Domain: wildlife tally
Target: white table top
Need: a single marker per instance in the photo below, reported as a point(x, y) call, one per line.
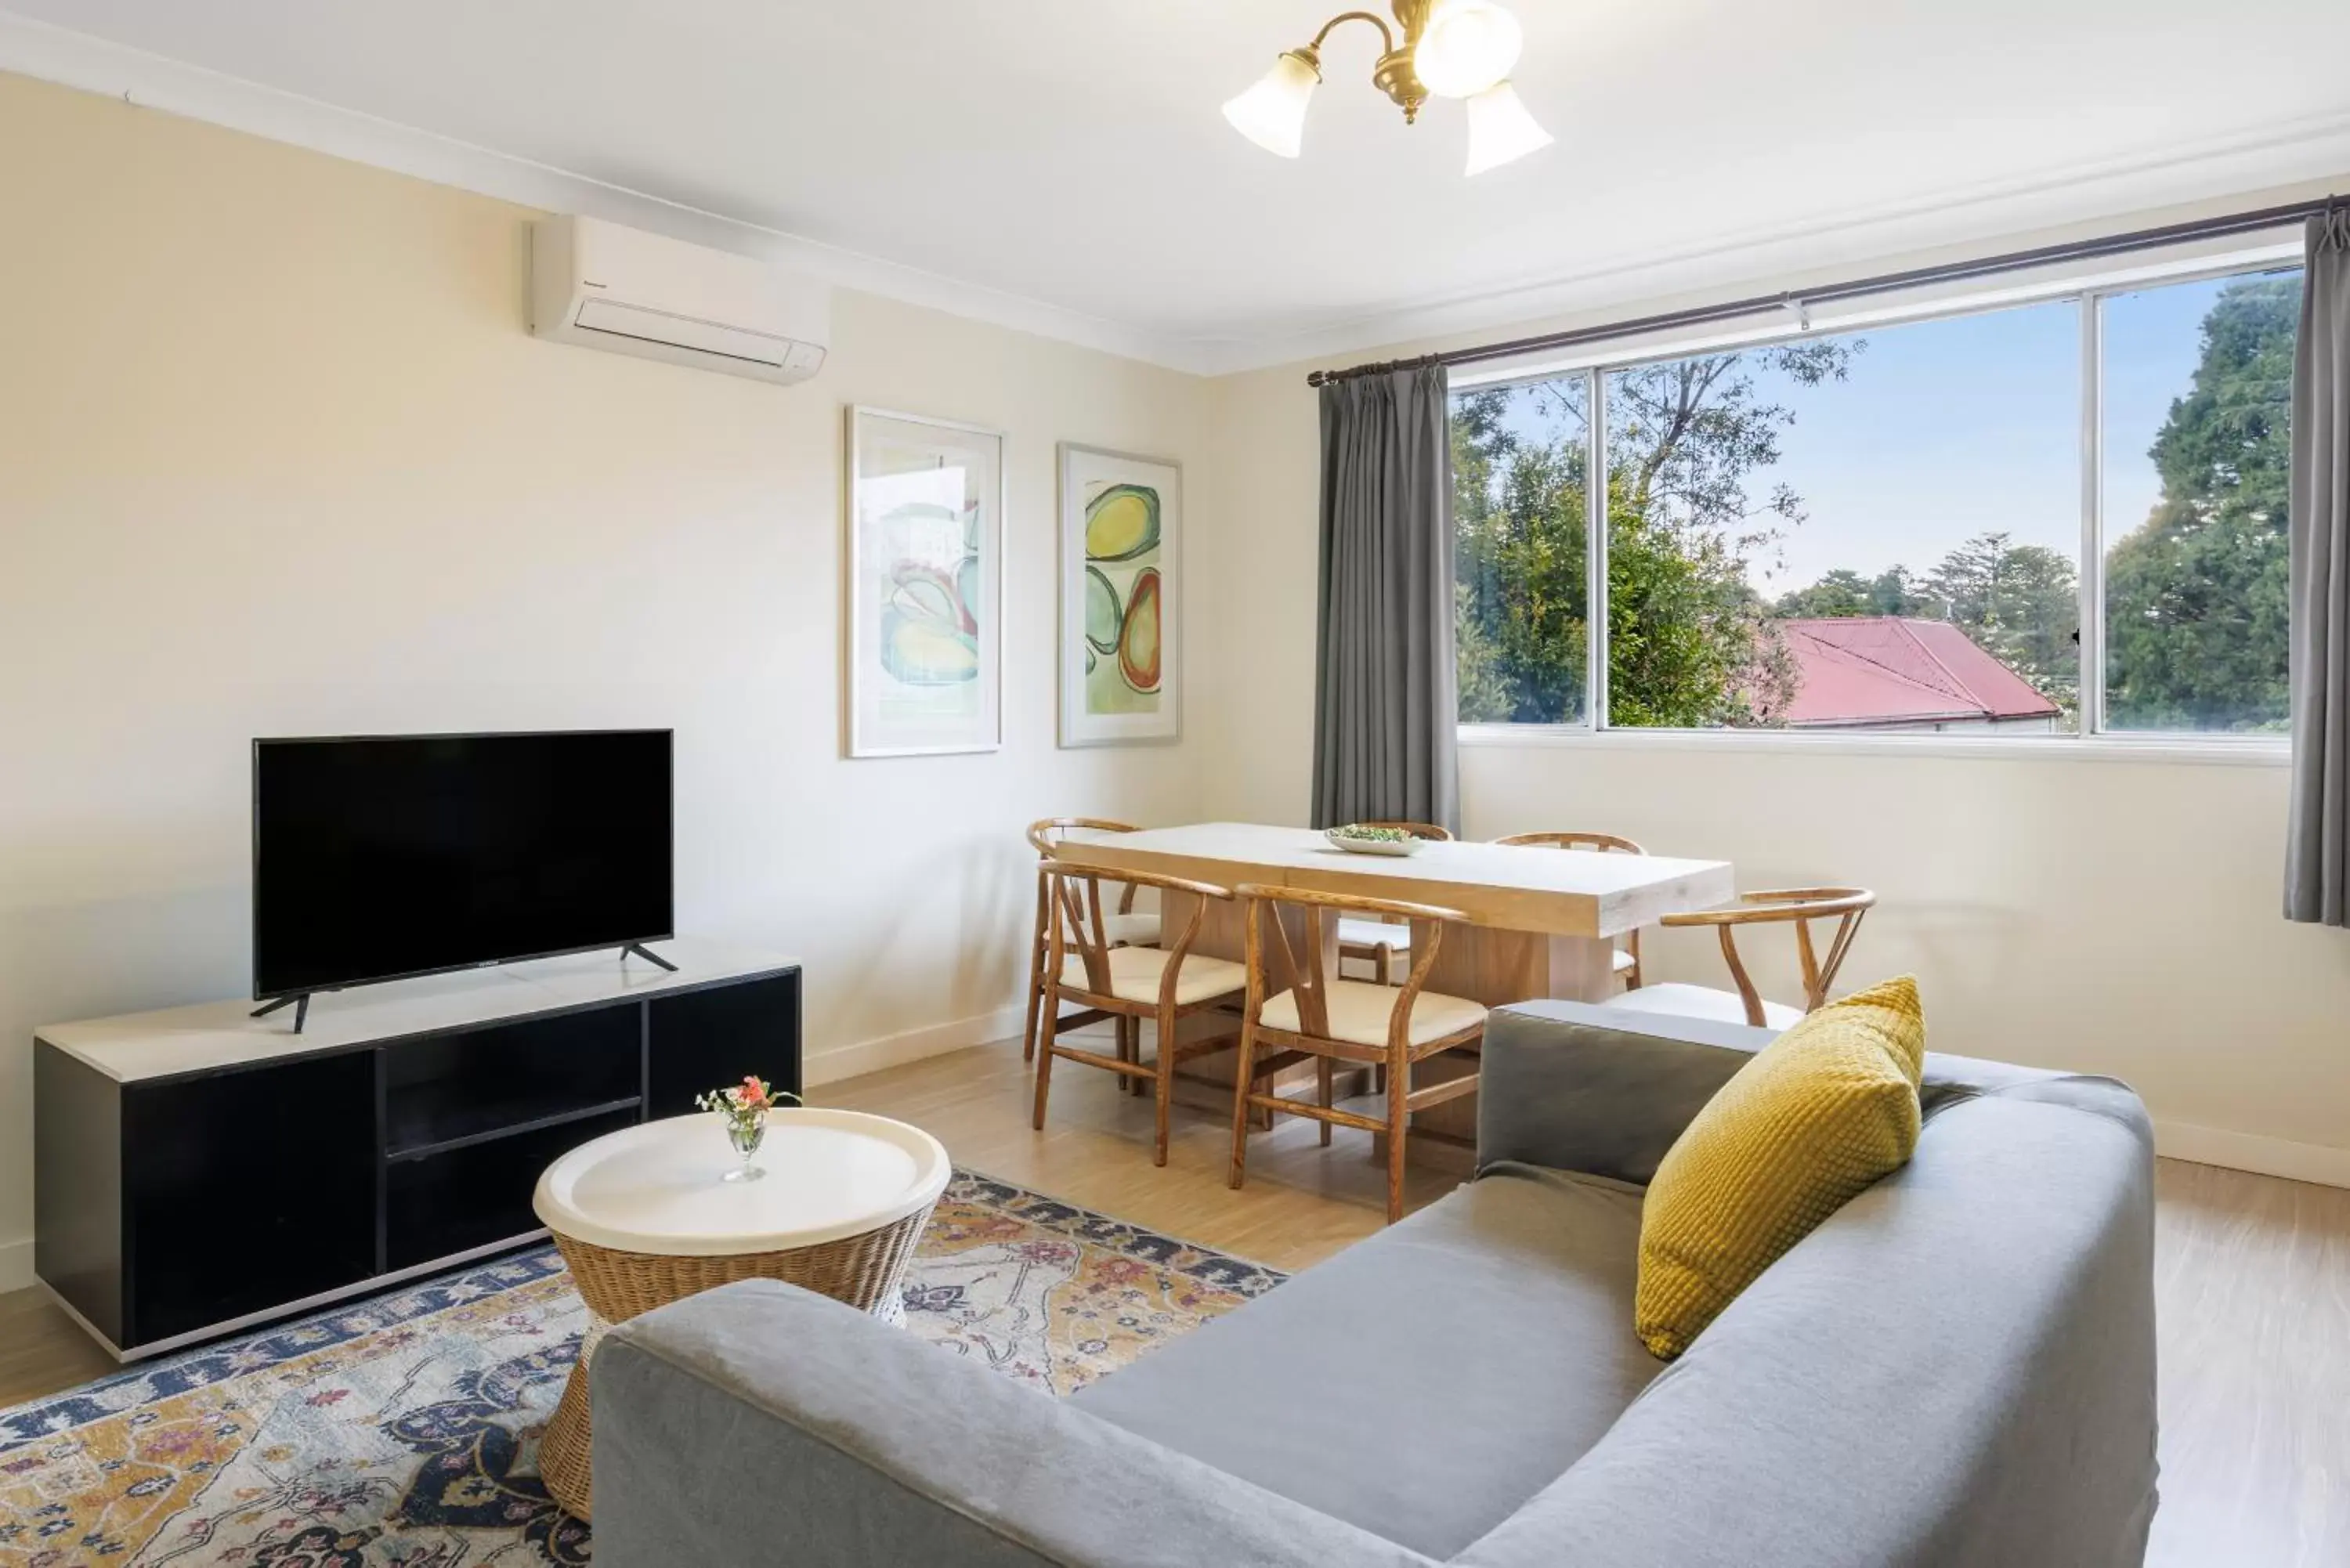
point(658, 1187)
point(1509, 887)
point(210, 1034)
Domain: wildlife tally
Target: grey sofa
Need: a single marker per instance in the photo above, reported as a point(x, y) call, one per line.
point(1957, 1368)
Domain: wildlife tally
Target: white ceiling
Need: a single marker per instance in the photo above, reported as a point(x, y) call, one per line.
point(1061, 162)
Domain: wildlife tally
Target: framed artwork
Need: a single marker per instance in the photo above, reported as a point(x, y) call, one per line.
point(1121, 529)
point(924, 586)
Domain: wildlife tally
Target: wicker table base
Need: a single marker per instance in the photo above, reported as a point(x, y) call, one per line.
point(864, 1271)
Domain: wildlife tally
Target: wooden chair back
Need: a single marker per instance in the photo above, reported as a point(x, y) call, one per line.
point(1046, 831)
point(1076, 921)
point(1427, 830)
point(1275, 963)
point(1781, 906)
point(1601, 843)
point(1044, 834)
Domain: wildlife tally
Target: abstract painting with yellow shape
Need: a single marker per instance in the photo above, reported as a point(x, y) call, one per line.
point(1120, 515)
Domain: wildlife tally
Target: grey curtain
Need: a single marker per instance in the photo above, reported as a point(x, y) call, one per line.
point(1385, 701)
point(2317, 842)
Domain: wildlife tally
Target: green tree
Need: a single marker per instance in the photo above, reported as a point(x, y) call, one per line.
point(1480, 446)
point(1689, 643)
point(1844, 592)
point(1484, 690)
point(2021, 602)
point(2197, 595)
point(1519, 544)
point(1891, 592)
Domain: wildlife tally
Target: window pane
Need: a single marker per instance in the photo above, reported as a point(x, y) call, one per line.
point(1519, 455)
point(1875, 532)
point(2197, 386)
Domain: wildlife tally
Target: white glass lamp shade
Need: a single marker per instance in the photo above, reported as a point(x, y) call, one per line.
point(1273, 113)
point(1466, 46)
point(1500, 130)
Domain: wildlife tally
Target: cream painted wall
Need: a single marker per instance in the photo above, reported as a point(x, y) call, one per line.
point(2114, 916)
point(278, 455)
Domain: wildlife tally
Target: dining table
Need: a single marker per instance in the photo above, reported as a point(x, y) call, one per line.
point(1534, 921)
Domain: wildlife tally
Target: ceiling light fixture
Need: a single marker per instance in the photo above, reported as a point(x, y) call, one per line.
point(1451, 48)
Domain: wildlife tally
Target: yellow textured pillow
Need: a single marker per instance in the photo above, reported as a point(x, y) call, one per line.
point(1819, 1113)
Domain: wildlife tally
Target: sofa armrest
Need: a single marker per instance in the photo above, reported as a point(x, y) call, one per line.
point(1575, 1086)
point(759, 1423)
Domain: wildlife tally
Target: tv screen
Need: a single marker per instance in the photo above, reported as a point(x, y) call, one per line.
point(382, 857)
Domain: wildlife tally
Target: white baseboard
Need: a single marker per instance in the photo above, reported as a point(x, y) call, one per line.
point(17, 1264)
point(911, 1045)
point(2320, 1163)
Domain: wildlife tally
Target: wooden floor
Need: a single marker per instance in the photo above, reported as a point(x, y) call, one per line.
point(2253, 1281)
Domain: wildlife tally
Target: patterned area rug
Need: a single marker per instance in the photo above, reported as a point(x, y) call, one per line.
point(402, 1432)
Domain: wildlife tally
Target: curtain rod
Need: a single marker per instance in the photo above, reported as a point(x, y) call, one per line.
point(1948, 272)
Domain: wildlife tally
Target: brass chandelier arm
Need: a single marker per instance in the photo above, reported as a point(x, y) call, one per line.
point(1387, 34)
point(1393, 75)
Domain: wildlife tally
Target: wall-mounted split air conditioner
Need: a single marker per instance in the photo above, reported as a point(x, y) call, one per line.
point(601, 285)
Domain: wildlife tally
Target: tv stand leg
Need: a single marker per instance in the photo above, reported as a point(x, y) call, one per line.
point(301, 1004)
point(648, 955)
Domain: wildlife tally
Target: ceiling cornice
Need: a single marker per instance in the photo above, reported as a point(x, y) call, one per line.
point(2212, 169)
point(1991, 216)
point(152, 81)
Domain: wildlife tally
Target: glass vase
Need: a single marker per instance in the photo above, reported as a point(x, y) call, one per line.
point(745, 1133)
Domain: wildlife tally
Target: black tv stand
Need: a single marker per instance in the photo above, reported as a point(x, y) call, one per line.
point(195, 1172)
point(300, 1001)
point(643, 952)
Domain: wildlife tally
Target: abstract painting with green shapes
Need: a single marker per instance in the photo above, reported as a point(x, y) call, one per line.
point(925, 534)
point(1123, 598)
point(929, 622)
point(1121, 534)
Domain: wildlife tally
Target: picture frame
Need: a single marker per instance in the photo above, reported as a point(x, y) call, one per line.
point(1119, 653)
point(922, 586)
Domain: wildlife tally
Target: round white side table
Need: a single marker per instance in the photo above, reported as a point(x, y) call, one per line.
point(645, 1217)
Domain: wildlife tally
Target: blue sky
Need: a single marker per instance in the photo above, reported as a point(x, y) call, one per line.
point(1941, 431)
point(1944, 430)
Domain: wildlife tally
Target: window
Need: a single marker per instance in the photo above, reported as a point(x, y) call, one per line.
point(1882, 531)
point(1522, 555)
point(2197, 384)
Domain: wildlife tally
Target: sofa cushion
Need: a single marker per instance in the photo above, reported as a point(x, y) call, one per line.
point(1812, 1118)
point(1425, 1383)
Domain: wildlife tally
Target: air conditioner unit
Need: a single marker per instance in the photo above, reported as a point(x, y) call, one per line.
point(604, 286)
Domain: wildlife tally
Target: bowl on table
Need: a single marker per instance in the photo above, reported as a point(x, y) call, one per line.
point(1356, 839)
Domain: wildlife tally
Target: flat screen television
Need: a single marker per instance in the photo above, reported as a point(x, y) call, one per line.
point(383, 856)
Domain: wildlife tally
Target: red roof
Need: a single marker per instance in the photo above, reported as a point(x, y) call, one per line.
point(1885, 670)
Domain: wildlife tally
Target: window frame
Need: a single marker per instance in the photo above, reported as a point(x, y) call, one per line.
point(2087, 286)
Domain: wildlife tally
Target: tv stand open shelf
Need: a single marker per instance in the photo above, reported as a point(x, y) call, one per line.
point(395, 1153)
point(198, 1170)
